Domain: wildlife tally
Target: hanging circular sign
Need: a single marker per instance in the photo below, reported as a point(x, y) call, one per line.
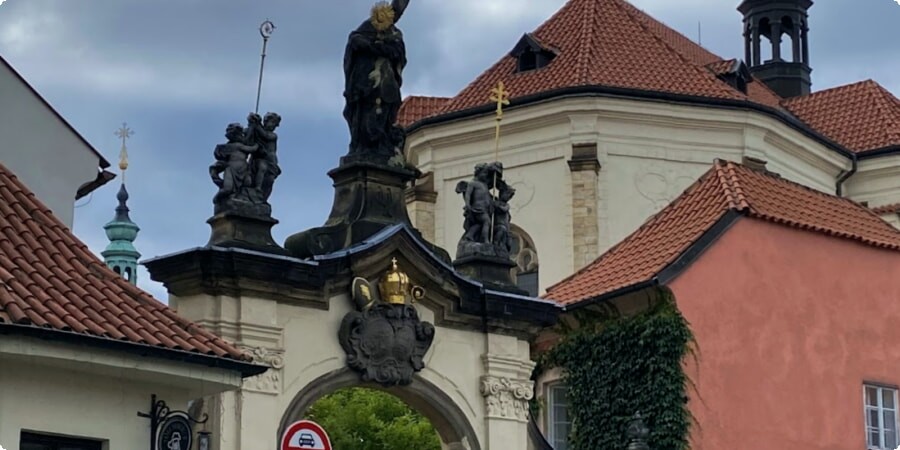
point(175, 433)
point(305, 435)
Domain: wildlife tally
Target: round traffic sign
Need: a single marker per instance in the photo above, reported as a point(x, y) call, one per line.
point(305, 435)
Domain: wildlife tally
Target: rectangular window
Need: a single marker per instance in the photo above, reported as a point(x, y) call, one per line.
point(33, 441)
point(881, 417)
point(558, 423)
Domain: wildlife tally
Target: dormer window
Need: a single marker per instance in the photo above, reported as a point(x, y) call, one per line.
point(530, 54)
point(738, 76)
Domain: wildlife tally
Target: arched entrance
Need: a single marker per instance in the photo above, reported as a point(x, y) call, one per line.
point(450, 422)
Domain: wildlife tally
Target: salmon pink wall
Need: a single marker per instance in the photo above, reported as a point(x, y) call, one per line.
point(789, 324)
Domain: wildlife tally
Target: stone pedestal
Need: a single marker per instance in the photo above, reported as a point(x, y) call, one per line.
point(243, 231)
point(367, 198)
point(493, 271)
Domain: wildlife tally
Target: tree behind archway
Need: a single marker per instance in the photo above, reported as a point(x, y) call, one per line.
point(367, 419)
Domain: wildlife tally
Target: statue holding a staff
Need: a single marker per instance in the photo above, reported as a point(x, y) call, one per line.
point(373, 69)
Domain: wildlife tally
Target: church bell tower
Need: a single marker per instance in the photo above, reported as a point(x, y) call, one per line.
point(781, 60)
point(120, 255)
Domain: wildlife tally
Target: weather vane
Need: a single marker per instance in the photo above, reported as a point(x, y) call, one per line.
point(124, 134)
point(265, 30)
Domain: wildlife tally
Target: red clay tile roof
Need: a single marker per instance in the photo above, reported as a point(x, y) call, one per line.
point(893, 208)
point(726, 187)
point(416, 108)
point(861, 116)
point(610, 43)
point(50, 280)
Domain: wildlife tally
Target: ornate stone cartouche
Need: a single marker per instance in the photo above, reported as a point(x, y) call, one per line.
point(384, 339)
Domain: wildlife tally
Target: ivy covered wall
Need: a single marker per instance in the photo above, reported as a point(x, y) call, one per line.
point(615, 367)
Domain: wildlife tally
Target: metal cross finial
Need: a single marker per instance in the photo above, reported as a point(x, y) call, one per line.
point(124, 134)
point(500, 96)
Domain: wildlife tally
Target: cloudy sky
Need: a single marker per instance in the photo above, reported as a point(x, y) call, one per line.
point(179, 70)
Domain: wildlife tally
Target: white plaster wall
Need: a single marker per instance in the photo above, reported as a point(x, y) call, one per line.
point(40, 149)
point(877, 181)
point(79, 392)
point(650, 152)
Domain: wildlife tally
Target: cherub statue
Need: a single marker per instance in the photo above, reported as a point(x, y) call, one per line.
point(478, 205)
point(502, 235)
point(231, 171)
point(264, 162)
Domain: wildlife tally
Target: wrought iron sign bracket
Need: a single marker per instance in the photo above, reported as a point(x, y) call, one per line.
point(170, 430)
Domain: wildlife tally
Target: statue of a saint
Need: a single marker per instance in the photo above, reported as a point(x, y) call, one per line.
point(231, 172)
point(264, 162)
point(373, 69)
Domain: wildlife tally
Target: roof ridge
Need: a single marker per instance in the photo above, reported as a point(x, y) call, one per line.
point(730, 185)
point(696, 66)
point(884, 105)
point(649, 18)
point(587, 47)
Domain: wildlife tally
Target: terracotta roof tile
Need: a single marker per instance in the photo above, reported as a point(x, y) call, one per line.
point(893, 208)
point(860, 116)
point(49, 279)
point(607, 43)
point(416, 108)
point(726, 187)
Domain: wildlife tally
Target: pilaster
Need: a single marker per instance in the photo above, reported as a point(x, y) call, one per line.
point(585, 169)
point(420, 201)
point(507, 390)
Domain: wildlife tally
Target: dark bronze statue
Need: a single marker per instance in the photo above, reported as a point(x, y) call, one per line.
point(246, 166)
point(373, 69)
point(487, 217)
point(264, 162)
point(231, 172)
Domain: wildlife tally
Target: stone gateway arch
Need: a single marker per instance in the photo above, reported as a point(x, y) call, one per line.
point(363, 300)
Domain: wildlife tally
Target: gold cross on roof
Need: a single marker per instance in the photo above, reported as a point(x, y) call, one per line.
point(500, 96)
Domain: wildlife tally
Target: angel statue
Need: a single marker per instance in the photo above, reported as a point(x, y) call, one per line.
point(373, 69)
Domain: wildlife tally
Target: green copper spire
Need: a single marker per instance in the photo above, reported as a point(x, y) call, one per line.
point(120, 255)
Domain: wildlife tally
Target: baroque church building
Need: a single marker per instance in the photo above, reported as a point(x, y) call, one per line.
point(613, 114)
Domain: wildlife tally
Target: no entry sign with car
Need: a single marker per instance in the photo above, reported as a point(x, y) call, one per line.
point(305, 435)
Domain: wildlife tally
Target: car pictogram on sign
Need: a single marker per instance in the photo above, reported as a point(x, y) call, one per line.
point(306, 440)
point(305, 435)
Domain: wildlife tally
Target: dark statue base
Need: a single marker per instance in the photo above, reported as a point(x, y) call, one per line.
point(244, 231)
point(367, 198)
point(493, 271)
point(244, 208)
